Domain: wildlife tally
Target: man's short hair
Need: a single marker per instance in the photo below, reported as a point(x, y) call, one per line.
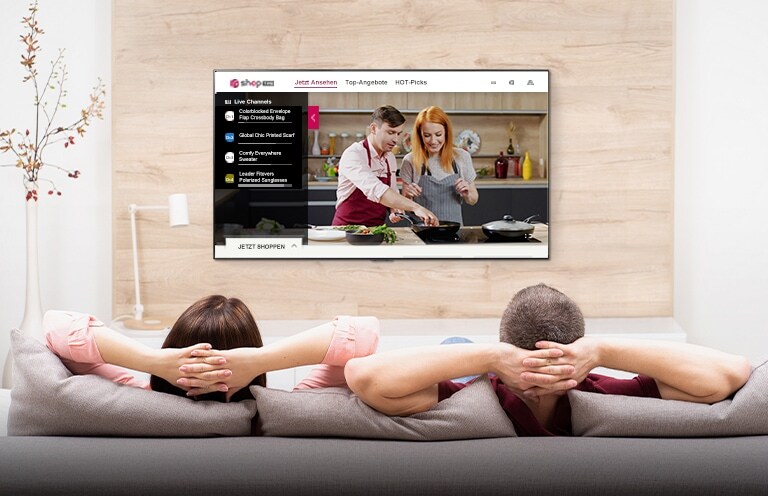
point(388, 114)
point(541, 313)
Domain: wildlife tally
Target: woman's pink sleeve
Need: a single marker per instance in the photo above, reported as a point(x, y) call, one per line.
point(352, 337)
point(71, 337)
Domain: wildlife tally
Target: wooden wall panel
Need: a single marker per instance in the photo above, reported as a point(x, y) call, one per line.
point(611, 136)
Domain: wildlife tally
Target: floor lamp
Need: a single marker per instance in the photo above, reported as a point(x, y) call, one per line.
point(178, 216)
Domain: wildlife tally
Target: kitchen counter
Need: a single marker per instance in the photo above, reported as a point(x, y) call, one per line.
point(470, 235)
point(480, 182)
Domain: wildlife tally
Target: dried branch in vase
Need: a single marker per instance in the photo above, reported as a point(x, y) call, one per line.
point(29, 147)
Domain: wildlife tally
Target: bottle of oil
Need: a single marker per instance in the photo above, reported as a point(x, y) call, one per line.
point(527, 167)
point(510, 148)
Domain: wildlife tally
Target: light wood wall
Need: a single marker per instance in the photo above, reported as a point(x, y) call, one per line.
point(611, 156)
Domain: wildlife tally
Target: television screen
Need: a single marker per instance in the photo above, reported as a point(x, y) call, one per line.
point(332, 164)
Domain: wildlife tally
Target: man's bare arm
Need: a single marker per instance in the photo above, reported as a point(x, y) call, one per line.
point(404, 382)
point(682, 371)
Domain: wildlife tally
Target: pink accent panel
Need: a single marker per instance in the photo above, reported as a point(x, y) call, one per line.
point(313, 117)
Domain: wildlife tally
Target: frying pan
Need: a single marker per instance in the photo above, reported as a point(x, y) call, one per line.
point(443, 230)
point(508, 228)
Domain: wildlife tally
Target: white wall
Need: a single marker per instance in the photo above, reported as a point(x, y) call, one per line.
point(75, 233)
point(721, 174)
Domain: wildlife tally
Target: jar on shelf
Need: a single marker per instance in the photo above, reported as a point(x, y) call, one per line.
point(359, 137)
point(324, 149)
point(344, 142)
point(332, 143)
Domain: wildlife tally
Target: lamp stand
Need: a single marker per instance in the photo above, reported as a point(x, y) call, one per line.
point(178, 216)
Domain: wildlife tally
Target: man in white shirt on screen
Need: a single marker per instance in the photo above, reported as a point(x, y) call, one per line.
point(367, 190)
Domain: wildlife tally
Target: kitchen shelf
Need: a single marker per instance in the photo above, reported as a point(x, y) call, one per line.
point(487, 115)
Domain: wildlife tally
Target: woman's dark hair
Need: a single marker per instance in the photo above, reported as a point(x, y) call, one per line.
point(225, 323)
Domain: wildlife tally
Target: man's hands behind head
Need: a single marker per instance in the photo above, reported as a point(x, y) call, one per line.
point(551, 369)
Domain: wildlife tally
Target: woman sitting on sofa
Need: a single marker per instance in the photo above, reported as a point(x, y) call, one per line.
point(86, 346)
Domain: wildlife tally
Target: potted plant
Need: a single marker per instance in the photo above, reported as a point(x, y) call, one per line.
point(28, 147)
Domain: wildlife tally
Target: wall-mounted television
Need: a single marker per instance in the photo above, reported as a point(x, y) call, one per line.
point(381, 164)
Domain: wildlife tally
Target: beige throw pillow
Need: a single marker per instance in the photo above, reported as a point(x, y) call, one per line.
point(47, 400)
point(473, 412)
point(594, 414)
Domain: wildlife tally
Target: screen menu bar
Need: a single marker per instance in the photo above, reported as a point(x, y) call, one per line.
point(373, 81)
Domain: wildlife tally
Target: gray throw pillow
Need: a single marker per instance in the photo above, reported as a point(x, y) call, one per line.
point(594, 414)
point(47, 400)
point(473, 412)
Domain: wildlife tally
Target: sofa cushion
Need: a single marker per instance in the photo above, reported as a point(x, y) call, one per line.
point(595, 414)
point(473, 412)
point(47, 400)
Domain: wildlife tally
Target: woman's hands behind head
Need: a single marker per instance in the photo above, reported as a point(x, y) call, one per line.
point(216, 370)
point(169, 361)
point(201, 371)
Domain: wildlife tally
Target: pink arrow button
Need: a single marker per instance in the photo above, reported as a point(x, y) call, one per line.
point(313, 117)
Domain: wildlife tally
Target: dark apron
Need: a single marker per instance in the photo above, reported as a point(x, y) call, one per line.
point(440, 196)
point(357, 209)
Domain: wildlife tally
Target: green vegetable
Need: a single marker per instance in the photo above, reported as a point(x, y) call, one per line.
point(389, 234)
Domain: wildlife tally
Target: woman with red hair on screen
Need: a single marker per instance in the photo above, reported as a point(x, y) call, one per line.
point(437, 175)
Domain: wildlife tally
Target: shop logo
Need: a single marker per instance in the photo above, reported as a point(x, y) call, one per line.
point(229, 157)
point(229, 137)
point(229, 115)
point(247, 82)
point(229, 179)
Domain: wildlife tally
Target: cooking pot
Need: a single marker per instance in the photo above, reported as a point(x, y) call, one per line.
point(443, 230)
point(508, 228)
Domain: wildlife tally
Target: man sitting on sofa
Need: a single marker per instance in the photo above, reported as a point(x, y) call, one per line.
point(532, 390)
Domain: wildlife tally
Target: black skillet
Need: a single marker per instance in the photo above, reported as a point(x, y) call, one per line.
point(443, 230)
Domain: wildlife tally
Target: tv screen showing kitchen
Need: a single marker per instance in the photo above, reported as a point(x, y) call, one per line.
point(381, 164)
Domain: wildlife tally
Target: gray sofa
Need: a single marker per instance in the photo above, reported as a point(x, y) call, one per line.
point(85, 435)
point(323, 466)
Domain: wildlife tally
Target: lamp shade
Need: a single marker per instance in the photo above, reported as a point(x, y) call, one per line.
point(178, 211)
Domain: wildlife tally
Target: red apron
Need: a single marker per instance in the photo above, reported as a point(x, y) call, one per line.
point(357, 209)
